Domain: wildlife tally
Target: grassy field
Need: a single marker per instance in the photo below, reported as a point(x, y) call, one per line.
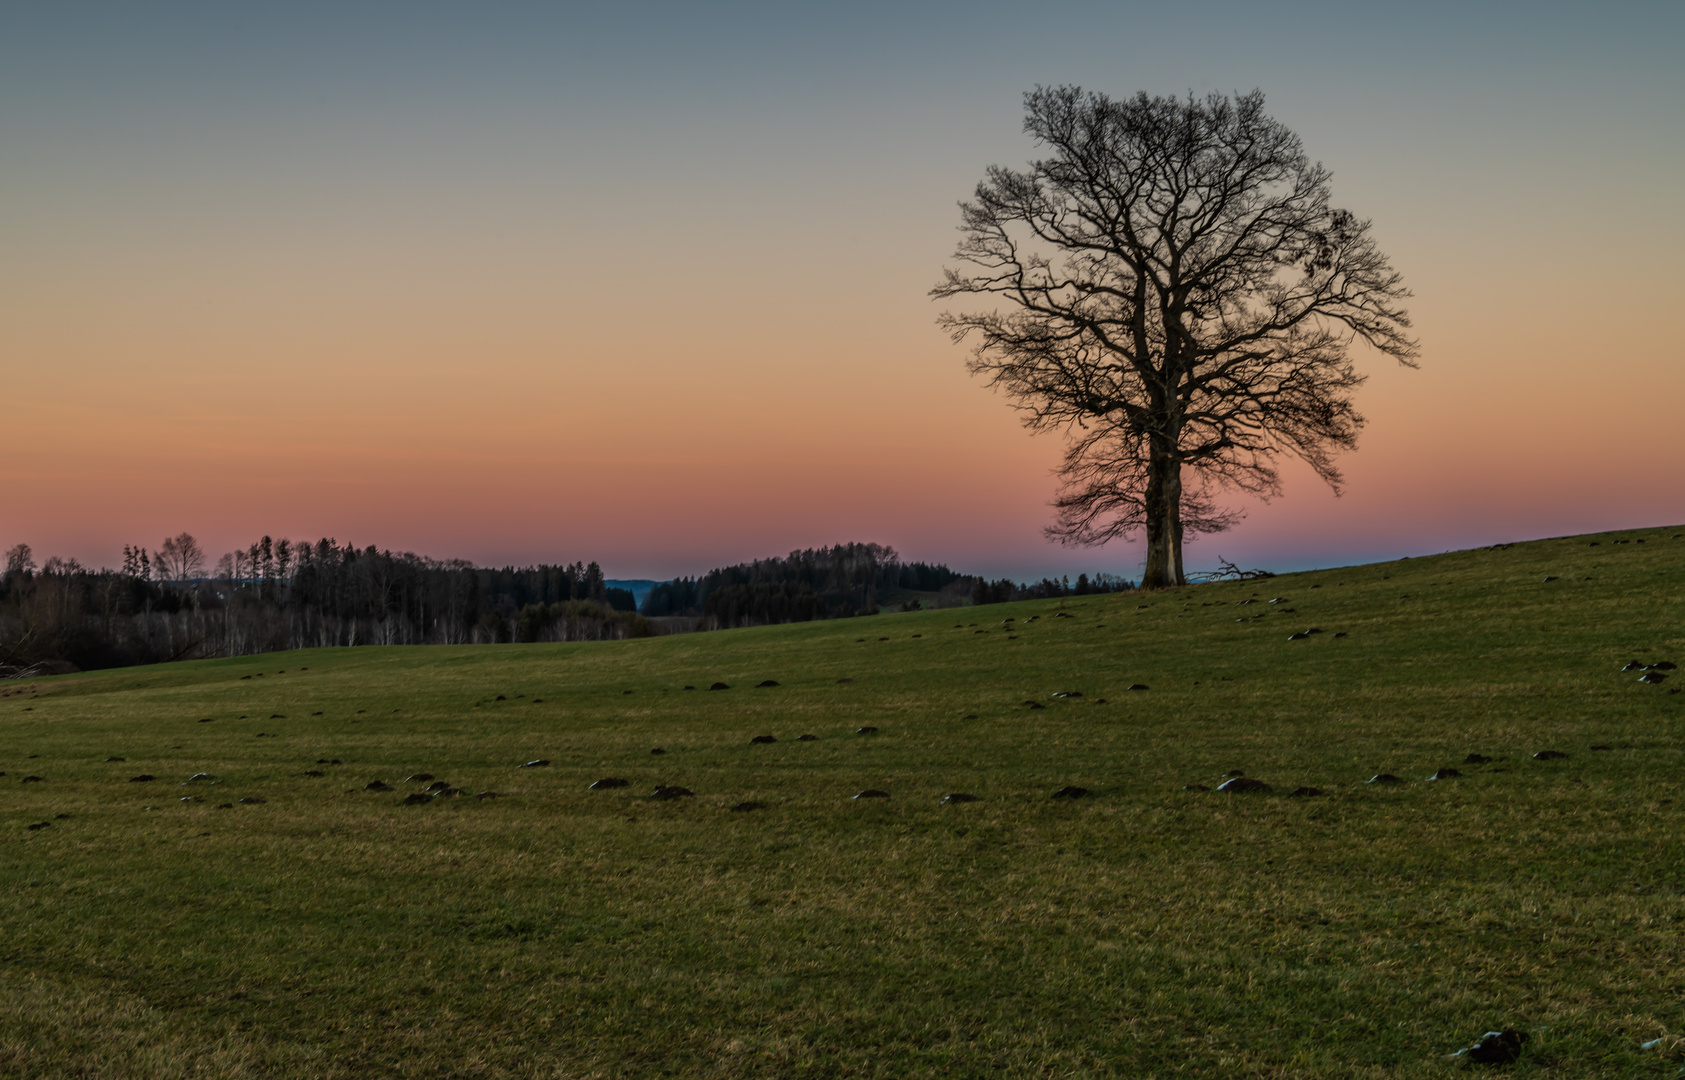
point(167, 928)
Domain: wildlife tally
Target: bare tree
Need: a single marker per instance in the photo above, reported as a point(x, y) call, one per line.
point(20, 560)
point(1172, 290)
point(180, 558)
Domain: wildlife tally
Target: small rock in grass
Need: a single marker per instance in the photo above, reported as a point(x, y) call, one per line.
point(1100, 701)
point(1071, 791)
point(1342, 633)
point(1195, 787)
point(276, 716)
point(745, 807)
point(1664, 665)
point(1548, 755)
point(1600, 746)
point(765, 683)
point(1549, 579)
point(672, 791)
point(1034, 705)
point(38, 825)
point(969, 716)
point(61, 817)
point(609, 782)
point(764, 739)
point(1495, 1047)
point(1384, 778)
point(1304, 792)
point(1241, 785)
point(225, 806)
point(842, 682)
point(959, 797)
point(872, 793)
point(488, 795)
point(437, 785)
point(200, 776)
point(416, 798)
point(413, 778)
point(883, 639)
point(1297, 637)
point(110, 759)
point(206, 720)
point(1234, 772)
point(690, 688)
point(1633, 665)
point(535, 763)
point(1652, 677)
point(190, 798)
point(720, 686)
point(143, 778)
point(866, 730)
point(1314, 630)
point(377, 785)
point(1476, 759)
point(1137, 686)
point(500, 697)
point(1070, 694)
point(253, 800)
point(314, 772)
point(658, 750)
point(1445, 774)
point(806, 738)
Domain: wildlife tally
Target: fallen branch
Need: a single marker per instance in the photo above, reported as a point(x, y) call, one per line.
point(1230, 572)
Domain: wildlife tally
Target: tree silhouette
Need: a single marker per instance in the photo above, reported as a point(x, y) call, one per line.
point(1174, 291)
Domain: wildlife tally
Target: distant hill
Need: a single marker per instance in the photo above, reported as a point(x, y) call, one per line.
point(638, 587)
point(839, 582)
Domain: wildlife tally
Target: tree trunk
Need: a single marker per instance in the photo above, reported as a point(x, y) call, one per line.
point(1164, 521)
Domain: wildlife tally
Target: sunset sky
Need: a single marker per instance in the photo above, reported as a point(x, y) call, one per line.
point(646, 283)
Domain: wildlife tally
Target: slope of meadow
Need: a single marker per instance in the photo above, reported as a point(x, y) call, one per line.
point(1145, 930)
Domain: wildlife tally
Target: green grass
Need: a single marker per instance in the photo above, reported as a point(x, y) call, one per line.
point(1143, 931)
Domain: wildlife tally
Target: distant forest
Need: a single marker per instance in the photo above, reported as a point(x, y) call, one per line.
point(838, 582)
point(168, 605)
point(279, 595)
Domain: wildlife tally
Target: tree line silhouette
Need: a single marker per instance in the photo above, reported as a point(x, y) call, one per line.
point(274, 595)
point(278, 595)
point(838, 582)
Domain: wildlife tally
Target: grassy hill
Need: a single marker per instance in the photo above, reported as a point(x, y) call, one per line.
point(320, 929)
